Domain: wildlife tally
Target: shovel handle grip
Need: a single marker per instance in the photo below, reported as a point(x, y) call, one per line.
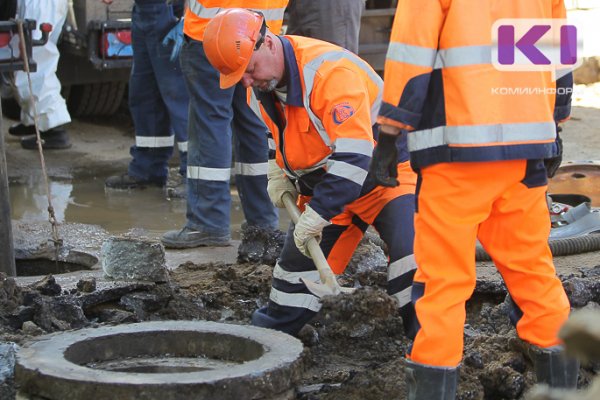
point(325, 273)
point(291, 207)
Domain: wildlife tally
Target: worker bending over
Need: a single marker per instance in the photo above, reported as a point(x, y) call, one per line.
point(319, 102)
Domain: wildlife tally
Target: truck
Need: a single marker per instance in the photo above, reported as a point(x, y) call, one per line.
point(95, 58)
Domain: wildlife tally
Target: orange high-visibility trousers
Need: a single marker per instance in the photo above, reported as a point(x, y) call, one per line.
point(503, 204)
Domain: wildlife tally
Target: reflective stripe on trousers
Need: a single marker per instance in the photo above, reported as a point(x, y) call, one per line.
point(158, 98)
point(291, 305)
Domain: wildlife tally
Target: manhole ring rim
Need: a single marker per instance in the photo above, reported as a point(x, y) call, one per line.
point(45, 354)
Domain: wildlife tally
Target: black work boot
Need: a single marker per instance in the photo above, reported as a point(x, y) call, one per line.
point(52, 139)
point(554, 368)
point(188, 237)
point(424, 382)
point(126, 181)
point(21, 130)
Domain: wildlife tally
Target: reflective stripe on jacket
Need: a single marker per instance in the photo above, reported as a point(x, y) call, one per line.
point(326, 122)
point(200, 12)
point(440, 82)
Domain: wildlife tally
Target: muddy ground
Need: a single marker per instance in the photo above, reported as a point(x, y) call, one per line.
point(354, 348)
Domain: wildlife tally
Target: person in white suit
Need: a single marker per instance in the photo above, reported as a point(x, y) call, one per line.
point(51, 106)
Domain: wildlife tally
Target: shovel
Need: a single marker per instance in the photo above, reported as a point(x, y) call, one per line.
point(330, 285)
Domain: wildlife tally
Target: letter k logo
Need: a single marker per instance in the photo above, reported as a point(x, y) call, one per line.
point(536, 44)
point(507, 44)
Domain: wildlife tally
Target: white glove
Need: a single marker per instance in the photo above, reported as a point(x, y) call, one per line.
point(309, 225)
point(278, 184)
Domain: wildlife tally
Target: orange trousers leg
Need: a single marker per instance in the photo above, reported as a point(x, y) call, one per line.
point(512, 235)
point(456, 202)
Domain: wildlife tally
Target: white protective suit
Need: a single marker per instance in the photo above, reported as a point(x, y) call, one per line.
point(51, 107)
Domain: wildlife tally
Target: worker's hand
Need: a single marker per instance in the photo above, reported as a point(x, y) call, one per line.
point(553, 163)
point(384, 164)
point(278, 185)
point(309, 225)
point(175, 35)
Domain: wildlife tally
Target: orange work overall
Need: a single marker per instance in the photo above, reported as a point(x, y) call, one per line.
point(503, 204)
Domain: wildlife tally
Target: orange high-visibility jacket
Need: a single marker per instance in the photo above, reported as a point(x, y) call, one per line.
point(323, 129)
point(200, 12)
point(441, 85)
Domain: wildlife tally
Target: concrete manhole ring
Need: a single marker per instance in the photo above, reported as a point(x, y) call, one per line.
point(163, 360)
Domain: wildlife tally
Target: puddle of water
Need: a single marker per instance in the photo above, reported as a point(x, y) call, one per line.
point(85, 200)
point(162, 365)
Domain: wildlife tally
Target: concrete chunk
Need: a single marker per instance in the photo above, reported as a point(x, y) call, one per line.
point(133, 259)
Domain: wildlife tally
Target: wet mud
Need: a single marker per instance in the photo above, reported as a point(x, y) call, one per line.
point(354, 348)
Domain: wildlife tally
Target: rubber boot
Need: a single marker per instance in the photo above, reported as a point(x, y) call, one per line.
point(554, 368)
point(424, 382)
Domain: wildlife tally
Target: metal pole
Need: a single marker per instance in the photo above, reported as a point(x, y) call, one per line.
point(7, 255)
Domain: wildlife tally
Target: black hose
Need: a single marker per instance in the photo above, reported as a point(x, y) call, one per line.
point(559, 247)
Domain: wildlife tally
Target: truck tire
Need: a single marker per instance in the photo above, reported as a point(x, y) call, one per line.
point(102, 98)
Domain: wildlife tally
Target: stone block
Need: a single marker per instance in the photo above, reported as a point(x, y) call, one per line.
point(133, 259)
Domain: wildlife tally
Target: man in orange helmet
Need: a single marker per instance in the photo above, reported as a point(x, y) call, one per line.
point(319, 102)
point(215, 115)
point(480, 158)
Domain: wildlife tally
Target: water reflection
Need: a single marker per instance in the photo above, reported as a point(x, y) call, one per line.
point(29, 202)
point(84, 200)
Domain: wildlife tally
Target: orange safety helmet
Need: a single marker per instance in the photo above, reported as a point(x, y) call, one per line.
point(230, 39)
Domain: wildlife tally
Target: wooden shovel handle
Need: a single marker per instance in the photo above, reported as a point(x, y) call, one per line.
point(325, 272)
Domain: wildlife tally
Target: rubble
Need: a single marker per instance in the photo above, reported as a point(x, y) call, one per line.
point(86, 285)
point(260, 245)
point(7, 365)
point(354, 347)
point(134, 259)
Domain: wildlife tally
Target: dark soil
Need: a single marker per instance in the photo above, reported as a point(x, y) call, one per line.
point(355, 346)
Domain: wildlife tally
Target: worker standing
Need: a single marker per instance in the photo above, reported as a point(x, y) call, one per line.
point(158, 98)
point(320, 103)
point(52, 113)
point(214, 114)
point(480, 158)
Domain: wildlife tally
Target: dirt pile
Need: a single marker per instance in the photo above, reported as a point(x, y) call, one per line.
point(354, 348)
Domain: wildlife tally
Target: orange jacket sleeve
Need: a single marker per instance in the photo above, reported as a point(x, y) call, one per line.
point(410, 60)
